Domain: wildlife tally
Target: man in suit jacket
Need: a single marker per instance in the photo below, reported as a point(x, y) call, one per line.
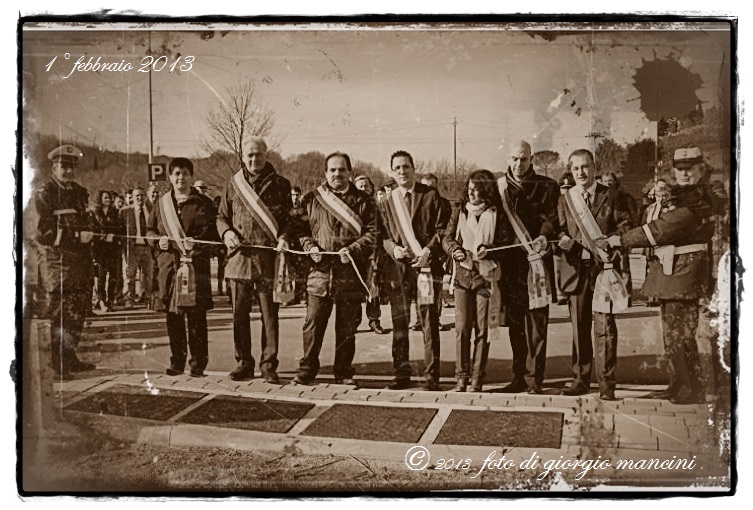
point(254, 210)
point(579, 270)
point(415, 245)
point(138, 251)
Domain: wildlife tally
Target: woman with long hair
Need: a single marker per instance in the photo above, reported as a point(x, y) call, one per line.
point(477, 225)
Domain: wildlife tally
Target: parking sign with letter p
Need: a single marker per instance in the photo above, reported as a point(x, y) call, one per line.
point(157, 172)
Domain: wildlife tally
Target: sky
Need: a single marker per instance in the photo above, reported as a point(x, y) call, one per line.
point(365, 90)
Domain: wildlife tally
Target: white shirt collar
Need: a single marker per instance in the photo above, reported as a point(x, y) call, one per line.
point(591, 189)
point(404, 191)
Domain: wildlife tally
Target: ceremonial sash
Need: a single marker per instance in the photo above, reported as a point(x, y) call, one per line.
point(255, 205)
point(609, 287)
point(339, 209)
point(184, 293)
point(539, 289)
point(402, 218)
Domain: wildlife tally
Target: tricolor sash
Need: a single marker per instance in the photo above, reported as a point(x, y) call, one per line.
point(339, 209)
point(610, 294)
point(184, 287)
point(539, 289)
point(402, 218)
point(255, 205)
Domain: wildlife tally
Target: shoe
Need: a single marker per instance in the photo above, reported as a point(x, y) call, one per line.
point(430, 386)
point(302, 381)
point(377, 328)
point(476, 388)
point(241, 373)
point(416, 327)
point(534, 390)
point(128, 305)
point(515, 386)
point(661, 394)
point(195, 372)
point(575, 390)
point(398, 384)
point(347, 381)
point(271, 378)
point(73, 364)
point(173, 371)
point(445, 327)
point(460, 387)
point(607, 395)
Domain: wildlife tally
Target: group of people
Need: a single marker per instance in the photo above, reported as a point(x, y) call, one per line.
point(500, 238)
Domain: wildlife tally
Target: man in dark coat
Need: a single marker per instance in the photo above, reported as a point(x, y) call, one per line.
point(196, 216)
point(138, 251)
point(341, 218)
point(64, 234)
point(678, 270)
point(413, 241)
point(579, 270)
point(254, 211)
point(532, 199)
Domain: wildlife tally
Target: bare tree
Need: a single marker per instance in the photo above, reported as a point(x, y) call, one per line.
point(240, 116)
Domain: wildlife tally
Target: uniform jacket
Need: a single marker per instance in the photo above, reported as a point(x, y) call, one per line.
point(274, 191)
point(128, 225)
point(687, 220)
point(534, 201)
point(197, 216)
point(429, 224)
point(107, 223)
point(330, 277)
point(613, 215)
point(70, 261)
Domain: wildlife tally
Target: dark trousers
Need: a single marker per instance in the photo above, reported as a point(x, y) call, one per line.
point(107, 271)
point(373, 309)
point(188, 329)
point(679, 323)
point(582, 318)
point(528, 330)
point(220, 271)
point(472, 312)
point(428, 316)
point(347, 318)
point(67, 313)
point(241, 294)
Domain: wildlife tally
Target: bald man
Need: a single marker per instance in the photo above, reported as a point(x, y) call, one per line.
point(530, 205)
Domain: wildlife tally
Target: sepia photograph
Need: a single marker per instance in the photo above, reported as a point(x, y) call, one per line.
point(377, 255)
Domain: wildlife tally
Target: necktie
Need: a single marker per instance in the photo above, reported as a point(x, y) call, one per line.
point(409, 201)
point(140, 226)
point(586, 197)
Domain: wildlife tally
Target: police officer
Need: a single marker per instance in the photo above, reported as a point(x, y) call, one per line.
point(677, 273)
point(64, 234)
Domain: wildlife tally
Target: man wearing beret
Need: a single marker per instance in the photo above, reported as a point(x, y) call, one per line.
point(64, 233)
point(677, 272)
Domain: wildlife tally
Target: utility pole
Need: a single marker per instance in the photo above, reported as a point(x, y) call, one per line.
point(151, 127)
point(455, 146)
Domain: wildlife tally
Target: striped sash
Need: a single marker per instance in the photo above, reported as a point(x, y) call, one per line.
point(170, 220)
point(539, 289)
point(184, 283)
point(610, 293)
point(339, 209)
point(255, 206)
point(402, 220)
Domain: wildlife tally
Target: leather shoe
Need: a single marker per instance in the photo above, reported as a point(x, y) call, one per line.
point(197, 373)
point(460, 387)
point(575, 390)
point(661, 394)
point(535, 390)
point(73, 364)
point(173, 371)
point(241, 373)
point(430, 386)
point(416, 327)
point(476, 388)
point(398, 384)
point(348, 381)
point(377, 328)
point(302, 381)
point(515, 386)
point(607, 395)
point(271, 378)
